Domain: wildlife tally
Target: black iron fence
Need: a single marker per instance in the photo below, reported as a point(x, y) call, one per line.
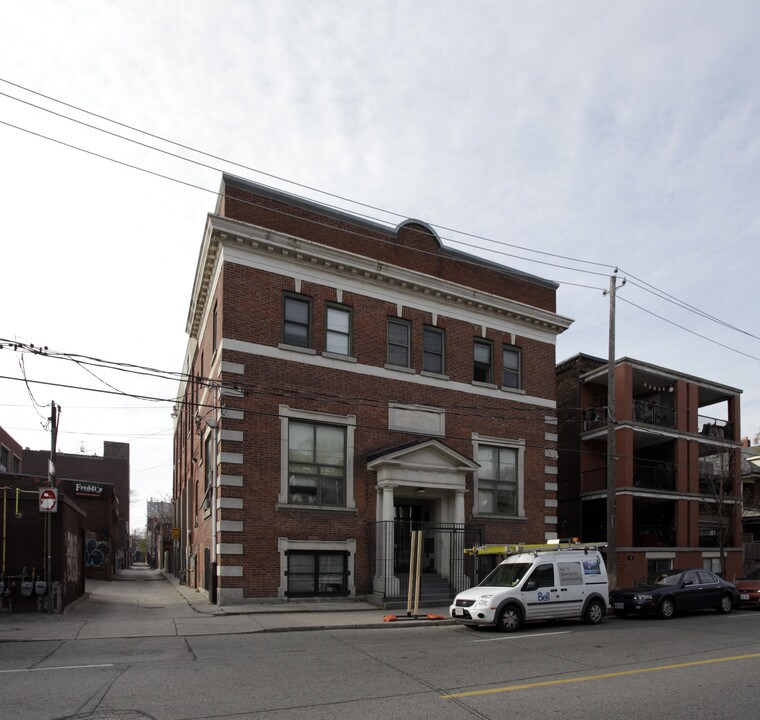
point(445, 568)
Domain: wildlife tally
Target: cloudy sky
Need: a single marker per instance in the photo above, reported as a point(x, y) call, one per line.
point(561, 138)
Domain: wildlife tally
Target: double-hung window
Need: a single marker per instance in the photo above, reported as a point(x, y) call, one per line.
point(338, 337)
point(432, 350)
point(512, 370)
point(297, 322)
point(316, 464)
point(498, 480)
point(482, 361)
point(398, 342)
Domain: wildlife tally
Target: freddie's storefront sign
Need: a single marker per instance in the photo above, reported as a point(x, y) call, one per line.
point(90, 490)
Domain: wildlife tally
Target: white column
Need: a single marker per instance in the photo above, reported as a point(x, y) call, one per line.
point(388, 511)
point(459, 507)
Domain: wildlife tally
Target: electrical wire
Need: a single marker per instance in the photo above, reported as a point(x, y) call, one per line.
point(249, 168)
point(685, 329)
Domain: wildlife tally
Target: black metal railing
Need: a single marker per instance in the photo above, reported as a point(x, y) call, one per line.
point(654, 414)
point(710, 538)
point(715, 428)
point(654, 477)
point(445, 568)
point(654, 535)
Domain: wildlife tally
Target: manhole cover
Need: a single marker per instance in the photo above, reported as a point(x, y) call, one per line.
point(143, 651)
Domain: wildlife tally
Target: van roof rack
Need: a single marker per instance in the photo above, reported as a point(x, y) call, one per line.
point(549, 546)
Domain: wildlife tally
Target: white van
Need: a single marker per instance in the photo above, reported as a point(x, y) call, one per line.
point(545, 584)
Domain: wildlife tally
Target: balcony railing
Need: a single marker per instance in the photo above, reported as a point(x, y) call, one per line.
point(654, 535)
point(710, 538)
point(644, 476)
point(594, 480)
point(654, 414)
point(715, 428)
point(654, 478)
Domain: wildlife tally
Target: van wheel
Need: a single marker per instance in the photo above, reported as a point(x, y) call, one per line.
point(726, 604)
point(667, 609)
point(595, 612)
point(510, 619)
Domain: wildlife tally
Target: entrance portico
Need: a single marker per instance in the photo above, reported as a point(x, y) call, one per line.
point(425, 470)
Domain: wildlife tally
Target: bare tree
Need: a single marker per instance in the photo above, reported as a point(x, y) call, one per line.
point(719, 498)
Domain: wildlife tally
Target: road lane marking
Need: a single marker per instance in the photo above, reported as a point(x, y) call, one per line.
point(60, 667)
point(522, 637)
point(603, 676)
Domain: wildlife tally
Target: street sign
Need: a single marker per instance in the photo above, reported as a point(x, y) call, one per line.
point(175, 533)
point(49, 500)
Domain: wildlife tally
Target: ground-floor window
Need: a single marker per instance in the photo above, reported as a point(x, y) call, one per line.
point(655, 565)
point(312, 573)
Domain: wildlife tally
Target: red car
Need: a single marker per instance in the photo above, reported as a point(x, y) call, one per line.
point(749, 588)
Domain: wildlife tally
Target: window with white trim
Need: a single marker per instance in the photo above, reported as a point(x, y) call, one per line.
point(210, 467)
point(499, 481)
point(512, 376)
point(314, 573)
point(398, 342)
point(338, 330)
point(316, 459)
point(316, 464)
point(482, 358)
point(296, 329)
point(432, 350)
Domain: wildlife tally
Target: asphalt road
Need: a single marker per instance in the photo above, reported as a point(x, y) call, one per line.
point(699, 666)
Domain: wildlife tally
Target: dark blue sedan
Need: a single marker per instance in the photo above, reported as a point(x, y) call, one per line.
point(672, 591)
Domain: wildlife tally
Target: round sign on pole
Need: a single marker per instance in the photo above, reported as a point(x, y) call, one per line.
point(48, 500)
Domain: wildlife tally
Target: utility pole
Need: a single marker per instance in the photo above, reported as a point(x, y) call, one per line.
point(611, 447)
point(54, 413)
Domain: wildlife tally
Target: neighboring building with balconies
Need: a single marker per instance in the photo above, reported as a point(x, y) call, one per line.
point(677, 465)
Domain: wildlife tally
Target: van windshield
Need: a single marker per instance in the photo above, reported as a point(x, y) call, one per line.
point(507, 575)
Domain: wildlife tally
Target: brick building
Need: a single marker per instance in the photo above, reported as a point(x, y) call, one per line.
point(110, 469)
point(10, 453)
point(678, 465)
point(347, 381)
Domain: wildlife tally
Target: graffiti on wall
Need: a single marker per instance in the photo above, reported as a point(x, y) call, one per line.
point(96, 553)
point(72, 570)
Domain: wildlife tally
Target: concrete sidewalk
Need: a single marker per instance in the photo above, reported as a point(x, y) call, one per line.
point(141, 602)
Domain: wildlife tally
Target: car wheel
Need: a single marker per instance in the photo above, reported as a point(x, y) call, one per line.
point(621, 613)
point(510, 619)
point(595, 612)
point(726, 604)
point(667, 609)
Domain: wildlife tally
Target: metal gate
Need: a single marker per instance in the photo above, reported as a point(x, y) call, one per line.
point(445, 568)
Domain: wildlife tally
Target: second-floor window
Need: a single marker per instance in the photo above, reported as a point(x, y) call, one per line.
point(398, 342)
point(297, 322)
point(338, 338)
point(512, 375)
point(432, 350)
point(482, 362)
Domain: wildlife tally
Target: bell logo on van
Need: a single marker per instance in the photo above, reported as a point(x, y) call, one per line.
point(543, 596)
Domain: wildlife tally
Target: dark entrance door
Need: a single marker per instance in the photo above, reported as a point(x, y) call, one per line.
point(414, 515)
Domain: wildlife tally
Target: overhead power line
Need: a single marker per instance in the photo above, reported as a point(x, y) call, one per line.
point(643, 286)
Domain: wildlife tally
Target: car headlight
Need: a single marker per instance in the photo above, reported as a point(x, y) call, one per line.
point(484, 601)
point(642, 598)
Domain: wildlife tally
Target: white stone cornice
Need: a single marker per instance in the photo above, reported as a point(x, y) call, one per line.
point(246, 244)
